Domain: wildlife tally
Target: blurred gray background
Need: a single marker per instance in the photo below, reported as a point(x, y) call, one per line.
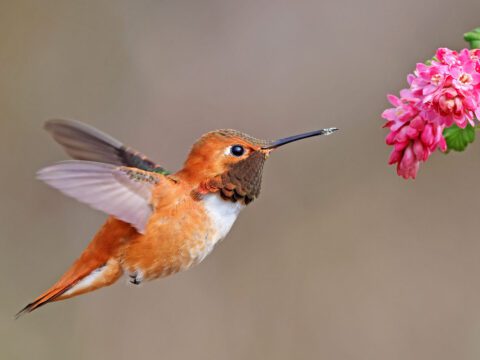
point(338, 259)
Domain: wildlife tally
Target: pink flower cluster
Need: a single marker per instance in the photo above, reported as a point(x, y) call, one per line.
point(441, 94)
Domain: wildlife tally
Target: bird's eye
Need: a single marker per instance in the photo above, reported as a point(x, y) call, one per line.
point(237, 150)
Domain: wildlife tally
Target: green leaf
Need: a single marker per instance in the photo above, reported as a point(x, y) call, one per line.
point(457, 138)
point(473, 38)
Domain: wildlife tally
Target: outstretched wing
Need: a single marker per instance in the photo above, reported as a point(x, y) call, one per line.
point(84, 142)
point(120, 191)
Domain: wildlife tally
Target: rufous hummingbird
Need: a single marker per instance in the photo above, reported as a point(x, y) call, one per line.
point(160, 222)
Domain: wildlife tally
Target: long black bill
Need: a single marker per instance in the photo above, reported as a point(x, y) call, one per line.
point(280, 142)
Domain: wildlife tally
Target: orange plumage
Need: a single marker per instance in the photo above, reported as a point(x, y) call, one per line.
point(160, 223)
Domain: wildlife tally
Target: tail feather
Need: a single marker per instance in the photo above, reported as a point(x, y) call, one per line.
point(45, 298)
point(97, 266)
point(76, 282)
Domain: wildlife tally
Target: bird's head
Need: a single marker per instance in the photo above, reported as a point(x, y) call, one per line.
point(231, 162)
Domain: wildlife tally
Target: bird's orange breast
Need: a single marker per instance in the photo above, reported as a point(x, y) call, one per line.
point(178, 235)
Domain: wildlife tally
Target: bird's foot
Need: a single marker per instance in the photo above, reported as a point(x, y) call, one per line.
point(135, 278)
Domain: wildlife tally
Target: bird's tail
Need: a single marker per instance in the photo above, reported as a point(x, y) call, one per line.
point(98, 266)
point(80, 278)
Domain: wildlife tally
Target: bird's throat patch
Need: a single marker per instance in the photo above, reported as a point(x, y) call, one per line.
point(242, 182)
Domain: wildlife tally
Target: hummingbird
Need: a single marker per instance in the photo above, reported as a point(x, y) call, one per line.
point(159, 222)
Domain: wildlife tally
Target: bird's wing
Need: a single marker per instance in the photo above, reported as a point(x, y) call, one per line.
point(84, 142)
point(120, 191)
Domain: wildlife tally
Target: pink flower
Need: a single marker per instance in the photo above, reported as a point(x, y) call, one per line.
point(405, 108)
point(449, 87)
point(449, 106)
point(442, 93)
point(412, 137)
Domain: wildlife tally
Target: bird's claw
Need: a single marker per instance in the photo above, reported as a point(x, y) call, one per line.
point(135, 279)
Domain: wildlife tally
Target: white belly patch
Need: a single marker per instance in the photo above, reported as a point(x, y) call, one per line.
point(222, 213)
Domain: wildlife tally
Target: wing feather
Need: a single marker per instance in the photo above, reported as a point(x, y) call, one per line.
point(120, 191)
point(84, 142)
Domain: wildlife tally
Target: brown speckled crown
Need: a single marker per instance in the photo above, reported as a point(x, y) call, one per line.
point(246, 137)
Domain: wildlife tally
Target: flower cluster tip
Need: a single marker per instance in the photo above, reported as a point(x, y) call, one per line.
point(443, 93)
